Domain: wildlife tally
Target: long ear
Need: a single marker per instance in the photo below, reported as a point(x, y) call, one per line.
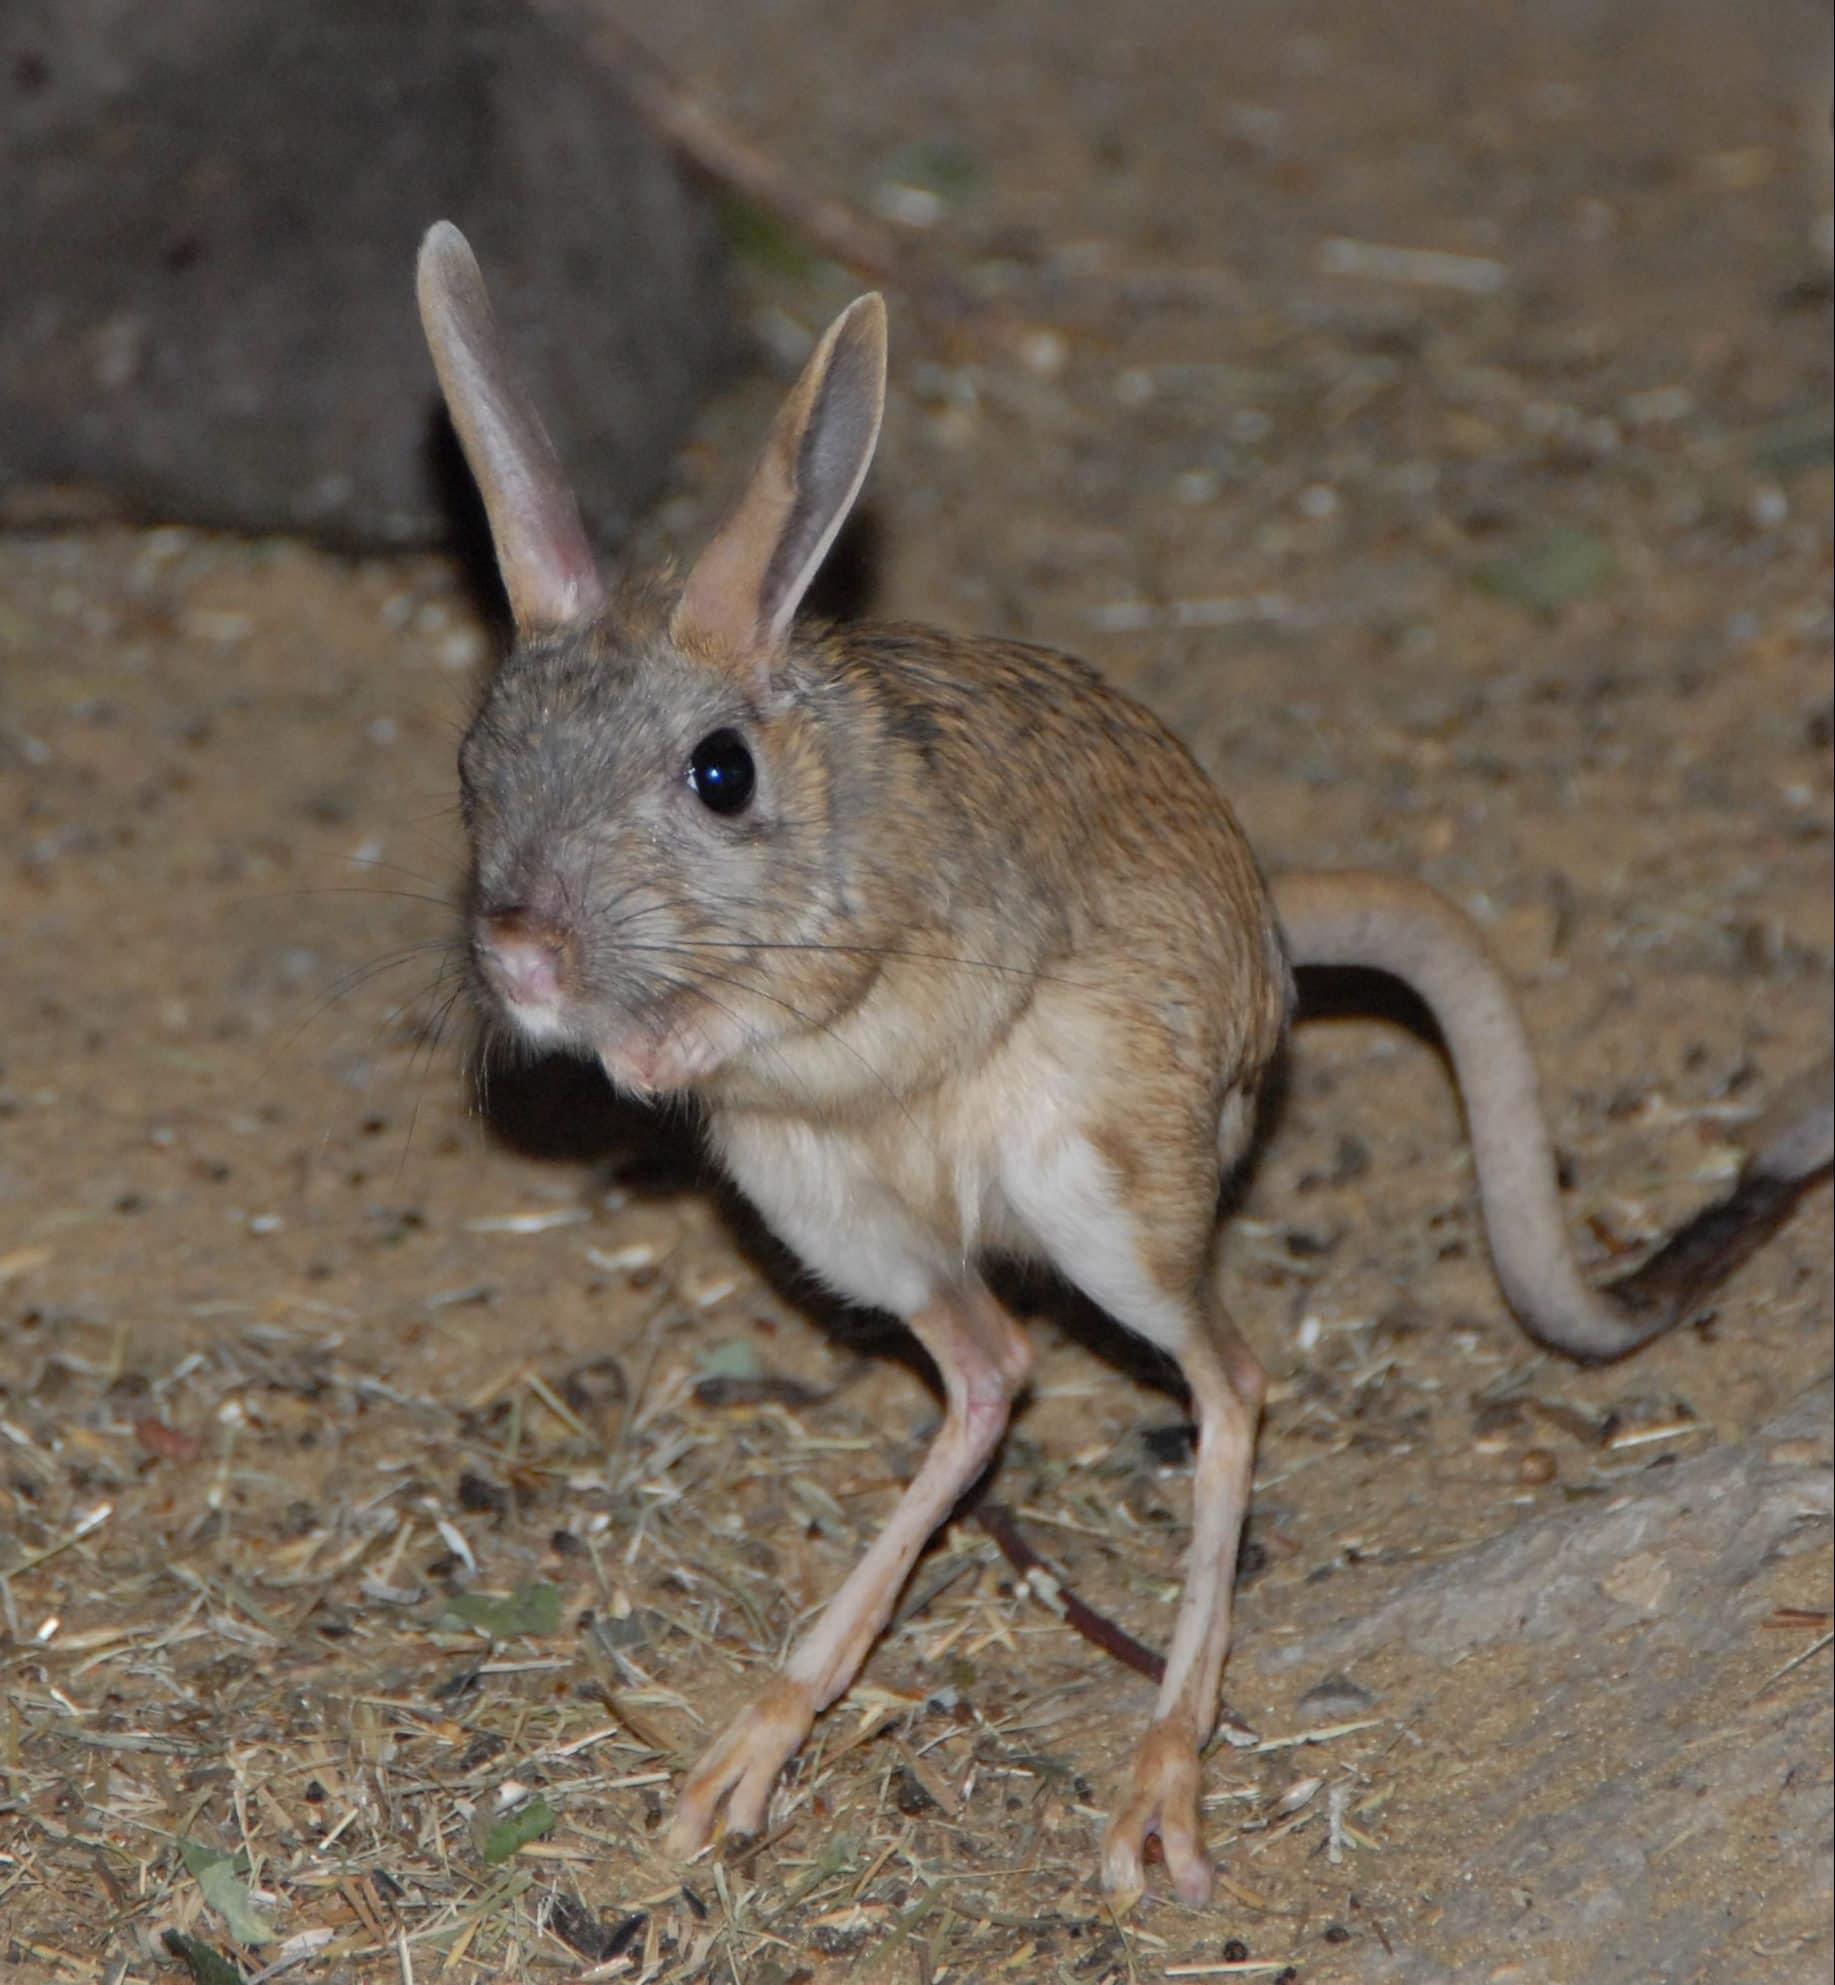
point(745, 587)
point(547, 564)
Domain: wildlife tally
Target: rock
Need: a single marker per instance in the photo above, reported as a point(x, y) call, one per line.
point(1648, 1802)
point(1702, 1527)
point(209, 235)
point(1336, 1696)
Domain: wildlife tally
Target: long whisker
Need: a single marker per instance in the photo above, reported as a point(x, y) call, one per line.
point(435, 1034)
point(359, 860)
point(754, 1040)
point(868, 951)
point(352, 981)
point(442, 903)
point(685, 949)
point(450, 973)
point(797, 1013)
point(747, 942)
point(394, 868)
point(481, 1069)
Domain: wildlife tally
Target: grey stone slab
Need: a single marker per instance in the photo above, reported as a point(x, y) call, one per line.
point(209, 236)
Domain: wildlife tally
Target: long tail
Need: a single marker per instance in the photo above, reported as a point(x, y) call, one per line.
point(1404, 928)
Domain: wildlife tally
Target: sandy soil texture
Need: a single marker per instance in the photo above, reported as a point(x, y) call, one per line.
point(390, 1500)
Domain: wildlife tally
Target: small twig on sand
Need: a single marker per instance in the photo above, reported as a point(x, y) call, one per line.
point(833, 227)
point(997, 1520)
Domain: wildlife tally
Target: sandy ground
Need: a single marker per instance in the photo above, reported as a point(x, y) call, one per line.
point(1510, 570)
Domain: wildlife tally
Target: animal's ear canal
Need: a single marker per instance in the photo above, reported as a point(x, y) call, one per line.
point(542, 550)
point(745, 588)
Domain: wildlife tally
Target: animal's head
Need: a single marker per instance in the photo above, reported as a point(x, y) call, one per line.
point(655, 781)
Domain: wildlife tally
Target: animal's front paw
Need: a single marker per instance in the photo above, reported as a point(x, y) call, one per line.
point(1161, 1796)
point(739, 1768)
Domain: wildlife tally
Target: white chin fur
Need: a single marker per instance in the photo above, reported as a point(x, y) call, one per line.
point(654, 1064)
point(540, 1026)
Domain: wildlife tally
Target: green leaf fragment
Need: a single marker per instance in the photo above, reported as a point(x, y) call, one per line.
point(527, 1823)
point(756, 235)
point(1549, 571)
point(943, 166)
point(207, 1967)
point(530, 1609)
point(219, 1875)
point(1795, 445)
point(737, 1358)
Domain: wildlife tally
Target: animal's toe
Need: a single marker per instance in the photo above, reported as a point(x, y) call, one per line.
point(739, 1769)
point(1161, 1797)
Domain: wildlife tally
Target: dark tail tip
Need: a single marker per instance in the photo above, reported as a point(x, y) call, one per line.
point(1673, 1285)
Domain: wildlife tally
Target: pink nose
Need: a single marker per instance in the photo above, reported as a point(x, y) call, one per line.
point(525, 956)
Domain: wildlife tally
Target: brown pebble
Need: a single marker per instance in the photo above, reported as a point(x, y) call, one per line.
point(1536, 1466)
point(166, 1443)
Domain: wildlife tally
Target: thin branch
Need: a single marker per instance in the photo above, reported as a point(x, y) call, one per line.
point(997, 1520)
point(835, 228)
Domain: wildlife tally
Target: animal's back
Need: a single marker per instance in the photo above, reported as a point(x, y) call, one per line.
point(1056, 789)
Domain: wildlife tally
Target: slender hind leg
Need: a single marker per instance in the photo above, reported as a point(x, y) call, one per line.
point(1145, 1253)
point(1227, 1387)
point(982, 1358)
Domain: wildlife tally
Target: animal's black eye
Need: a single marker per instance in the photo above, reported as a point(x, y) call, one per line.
point(722, 773)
